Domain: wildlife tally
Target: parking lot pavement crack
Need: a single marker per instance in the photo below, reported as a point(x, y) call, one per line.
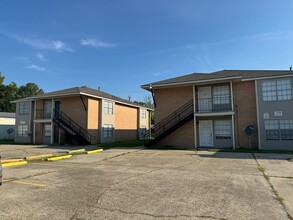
point(160, 216)
point(282, 177)
point(119, 155)
point(276, 193)
point(123, 180)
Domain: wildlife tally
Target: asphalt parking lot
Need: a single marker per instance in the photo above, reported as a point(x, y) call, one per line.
point(148, 184)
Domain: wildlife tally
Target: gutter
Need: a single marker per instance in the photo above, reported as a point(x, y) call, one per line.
point(146, 87)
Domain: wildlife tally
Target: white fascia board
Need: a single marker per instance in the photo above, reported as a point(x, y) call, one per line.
point(267, 77)
point(43, 97)
point(113, 100)
point(194, 82)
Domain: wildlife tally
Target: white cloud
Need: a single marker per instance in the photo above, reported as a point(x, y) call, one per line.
point(96, 43)
point(43, 44)
point(41, 57)
point(35, 67)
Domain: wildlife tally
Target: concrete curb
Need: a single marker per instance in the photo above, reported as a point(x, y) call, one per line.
point(76, 151)
point(94, 151)
point(39, 157)
point(14, 164)
point(11, 160)
point(58, 158)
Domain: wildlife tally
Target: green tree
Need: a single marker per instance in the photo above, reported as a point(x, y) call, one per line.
point(30, 89)
point(11, 92)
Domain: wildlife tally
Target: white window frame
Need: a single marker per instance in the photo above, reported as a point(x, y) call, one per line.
point(47, 130)
point(277, 90)
point(223, 129)
point(143, 113)
point(23, 108)
point(221, 95)
point(22, 130)
point(47, 108)
point(278, 129)
point(108, 107)
point(108, 131)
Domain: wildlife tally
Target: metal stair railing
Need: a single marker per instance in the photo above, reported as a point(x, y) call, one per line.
point(73, 125)
point(171, 120)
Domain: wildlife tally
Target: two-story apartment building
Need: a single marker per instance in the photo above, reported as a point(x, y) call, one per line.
point(224, 109)
point(79, 115)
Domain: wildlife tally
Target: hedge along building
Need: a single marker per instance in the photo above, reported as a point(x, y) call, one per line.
point(213, 110)
point(79, 115)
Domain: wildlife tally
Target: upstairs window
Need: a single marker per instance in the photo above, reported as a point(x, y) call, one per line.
point(277, 90)
point(143, 113)
point(221, 95)
point(23, 108)
point(108, 108)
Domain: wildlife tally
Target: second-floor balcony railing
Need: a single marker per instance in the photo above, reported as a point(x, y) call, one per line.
point(42, 114)
point(214, 104)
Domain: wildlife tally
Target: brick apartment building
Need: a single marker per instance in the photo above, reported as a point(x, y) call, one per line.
point(79, 115)
point(224, 109)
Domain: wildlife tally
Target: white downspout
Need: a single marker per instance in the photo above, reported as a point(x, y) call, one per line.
point(194, 117)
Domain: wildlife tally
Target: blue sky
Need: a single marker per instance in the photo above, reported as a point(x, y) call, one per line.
point(119, 45)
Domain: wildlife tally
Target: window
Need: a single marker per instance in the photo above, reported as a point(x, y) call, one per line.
point(48, 130)
point(221, 95)
point(22, 130)
point(108, 131)
point(143, 113)
point(223, 129)
point(108, 108)
point(143, 131)
point(277, 90)
point(23, 108)
point(47, 108)
point(279, 129)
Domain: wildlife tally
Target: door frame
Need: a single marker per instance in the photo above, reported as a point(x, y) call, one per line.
point(200, 131)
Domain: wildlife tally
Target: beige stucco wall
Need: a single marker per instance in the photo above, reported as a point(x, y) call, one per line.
point(126, 123)
point(93, 120)
point(169, 100)
point(245, 103)
point(183, 137)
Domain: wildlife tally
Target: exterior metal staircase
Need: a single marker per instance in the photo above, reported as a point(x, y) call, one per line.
point(72, 128)
point(169, 124)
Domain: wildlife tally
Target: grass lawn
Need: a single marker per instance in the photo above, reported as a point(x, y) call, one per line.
point(6, 141)
point(134, 143)
point(253, 151)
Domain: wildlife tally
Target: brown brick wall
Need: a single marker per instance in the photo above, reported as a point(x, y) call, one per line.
point(245, 107)
point(169, 100)
point(183, 137)
point(73, 107)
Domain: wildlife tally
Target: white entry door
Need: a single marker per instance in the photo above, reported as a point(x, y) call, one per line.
point(206, 133)
point(204, 99)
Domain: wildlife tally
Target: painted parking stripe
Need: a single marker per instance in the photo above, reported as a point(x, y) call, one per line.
point(58, 158)
point(28, 183)
point(94, 151)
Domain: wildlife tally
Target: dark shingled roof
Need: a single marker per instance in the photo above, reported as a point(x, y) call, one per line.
point(80, 91)
point(197, 77)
